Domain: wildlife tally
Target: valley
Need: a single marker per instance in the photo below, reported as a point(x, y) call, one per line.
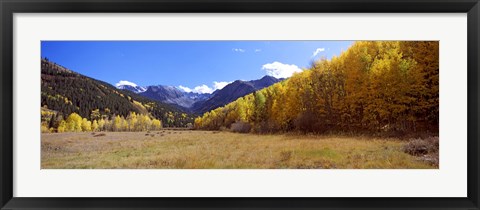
point(372, 106)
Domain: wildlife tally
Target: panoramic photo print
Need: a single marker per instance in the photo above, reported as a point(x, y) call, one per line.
point(239, 104)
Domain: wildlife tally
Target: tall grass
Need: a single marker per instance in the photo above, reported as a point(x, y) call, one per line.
point(187, 149)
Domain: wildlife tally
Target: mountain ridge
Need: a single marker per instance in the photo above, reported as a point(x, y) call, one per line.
point(203, 102)
point(232, 92)
point(173, 95)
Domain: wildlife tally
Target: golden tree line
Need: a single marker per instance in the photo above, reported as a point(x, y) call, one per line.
point(373, 86)
point(75, 123)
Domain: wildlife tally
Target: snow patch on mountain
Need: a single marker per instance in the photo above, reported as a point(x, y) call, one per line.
point(127, 85)
point(125, 82)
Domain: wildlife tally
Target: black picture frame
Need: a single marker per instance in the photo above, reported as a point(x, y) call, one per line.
point(10, 7)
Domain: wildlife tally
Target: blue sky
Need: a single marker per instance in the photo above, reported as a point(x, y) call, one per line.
point(199, 66)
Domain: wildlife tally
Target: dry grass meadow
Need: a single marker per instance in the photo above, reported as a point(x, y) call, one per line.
point(191, 149)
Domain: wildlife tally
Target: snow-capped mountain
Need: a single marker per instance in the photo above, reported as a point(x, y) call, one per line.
point(199, 102)
point(174, 95)
point(126, 85)
point(164, 93)
point(135, 89)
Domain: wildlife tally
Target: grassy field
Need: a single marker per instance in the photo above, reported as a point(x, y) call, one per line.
point(221, 150)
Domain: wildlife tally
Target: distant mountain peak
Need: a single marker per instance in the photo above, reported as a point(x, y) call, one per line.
point(268, 77)
point(195, 101)
point(126, 85)
point(233, 91)
point(173, 95)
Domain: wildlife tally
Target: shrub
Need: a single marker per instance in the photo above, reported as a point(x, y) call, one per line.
point(241, 127)
point(262, 128)
point(45, 129)
point(419, 147)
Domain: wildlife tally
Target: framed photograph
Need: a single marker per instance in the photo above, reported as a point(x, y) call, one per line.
point(239, 105)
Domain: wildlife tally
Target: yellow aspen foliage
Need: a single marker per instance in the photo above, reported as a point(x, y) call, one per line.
point(124, 124)
point(132, 121)
point(156, 124)
point(117, 123)
point(44, 128)
point(95, 125)
point(86, 125)
point(144, 122)
point(62, 127)
point(373, 86)
point(74, 123)
point(101, 125)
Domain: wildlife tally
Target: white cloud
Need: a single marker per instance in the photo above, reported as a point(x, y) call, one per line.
point(318, 50)
point(258, 50)
point(220, 85)
point(238, 50)
point(124, 82)
point(185, 89)
point(280, 70)
point(204, 88)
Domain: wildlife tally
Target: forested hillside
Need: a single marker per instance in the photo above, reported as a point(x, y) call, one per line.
point(374, 86)
point(65, 92)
